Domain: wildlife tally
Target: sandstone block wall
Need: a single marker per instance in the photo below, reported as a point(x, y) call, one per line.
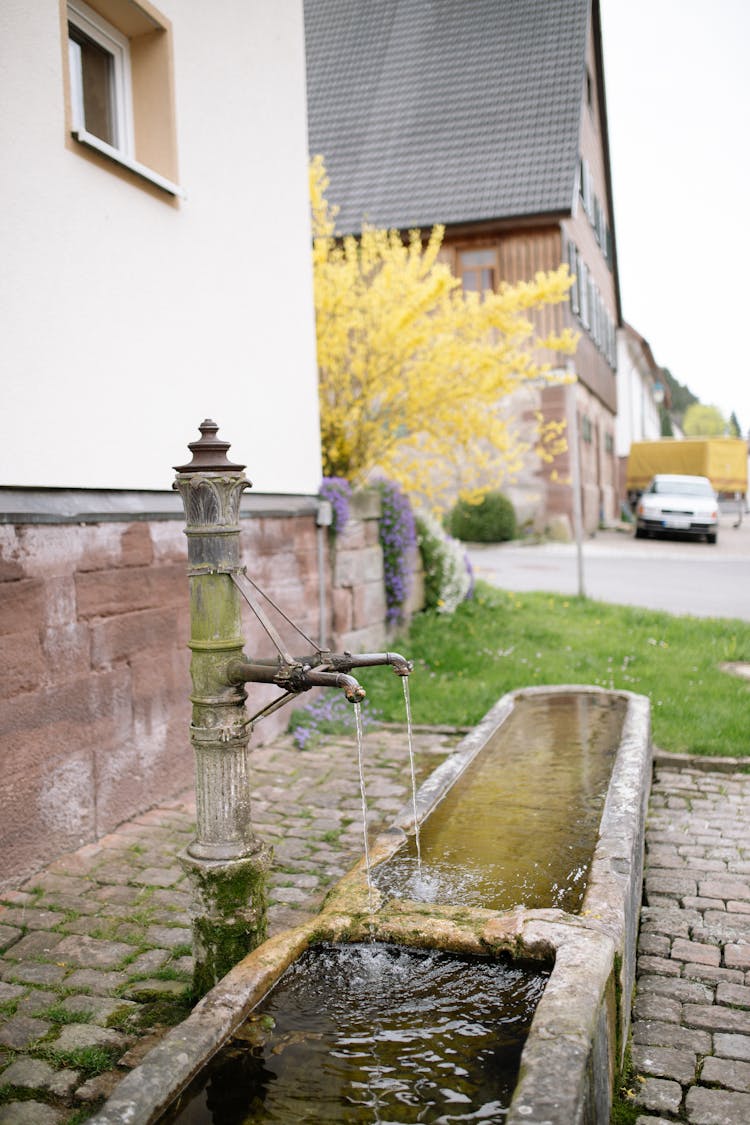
point(93, 623)
point(358, 586)
point(94, 689)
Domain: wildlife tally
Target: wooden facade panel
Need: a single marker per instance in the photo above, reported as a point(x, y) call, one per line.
point(518, 257)
point(523, 255)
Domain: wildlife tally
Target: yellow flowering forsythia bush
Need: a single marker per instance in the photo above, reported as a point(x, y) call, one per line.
point(412, 367)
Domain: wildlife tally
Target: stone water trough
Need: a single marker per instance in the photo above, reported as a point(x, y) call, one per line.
point(576, 923)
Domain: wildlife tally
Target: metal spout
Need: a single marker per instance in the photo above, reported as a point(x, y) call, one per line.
point(345, 661)
point(322, 669)
point(294, 678)
point(351, 687)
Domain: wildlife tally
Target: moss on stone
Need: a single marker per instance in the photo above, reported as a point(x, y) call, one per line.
point(231, 903)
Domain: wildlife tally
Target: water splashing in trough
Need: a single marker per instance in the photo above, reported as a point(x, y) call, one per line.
point(409, 733)
point(363, 794)
point(357, 1034)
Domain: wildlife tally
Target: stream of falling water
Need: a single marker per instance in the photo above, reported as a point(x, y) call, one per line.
point(407, 703)
point(360, 761)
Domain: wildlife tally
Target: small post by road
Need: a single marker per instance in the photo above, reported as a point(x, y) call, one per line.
point(740, 499)
point(575, 481)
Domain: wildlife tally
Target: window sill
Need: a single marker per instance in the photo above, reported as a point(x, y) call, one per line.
point(118, 157)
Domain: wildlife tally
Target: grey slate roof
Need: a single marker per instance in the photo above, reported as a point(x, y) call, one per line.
point(446, 111)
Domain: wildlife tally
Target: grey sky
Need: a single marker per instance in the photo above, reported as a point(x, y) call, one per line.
point(678, 98)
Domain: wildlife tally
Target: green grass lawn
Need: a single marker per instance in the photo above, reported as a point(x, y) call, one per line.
point(500, 641)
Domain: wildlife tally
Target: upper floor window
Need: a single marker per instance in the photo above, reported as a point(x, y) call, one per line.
point(121, 95)
point(478, 269)
point(100, 84)
point(594, 209)
point(585, 185)
point(587, 304)
point(575, 301)
point(583, 292)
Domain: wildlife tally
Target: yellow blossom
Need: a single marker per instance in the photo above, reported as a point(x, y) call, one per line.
point(412, 369)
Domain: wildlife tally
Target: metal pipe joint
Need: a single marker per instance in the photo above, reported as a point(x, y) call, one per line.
point(325, 669)
point(293, 678)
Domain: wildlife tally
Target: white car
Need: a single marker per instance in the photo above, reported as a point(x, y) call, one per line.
point(674, 503)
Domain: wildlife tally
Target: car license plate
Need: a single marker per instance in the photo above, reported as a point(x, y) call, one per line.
point(677, 523)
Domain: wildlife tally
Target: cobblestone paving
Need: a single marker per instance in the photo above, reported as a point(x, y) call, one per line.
point(691, 1029)
point(95, 958)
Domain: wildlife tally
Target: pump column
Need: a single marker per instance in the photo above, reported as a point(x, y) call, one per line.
point(226, 863)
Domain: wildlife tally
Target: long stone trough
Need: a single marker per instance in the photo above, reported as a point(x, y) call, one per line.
point(580, 1027)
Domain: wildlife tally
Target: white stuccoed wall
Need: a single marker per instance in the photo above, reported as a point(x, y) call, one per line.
point(637, 413)
point(125, 321)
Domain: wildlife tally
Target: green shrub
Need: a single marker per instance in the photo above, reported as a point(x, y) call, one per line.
point(492, 520)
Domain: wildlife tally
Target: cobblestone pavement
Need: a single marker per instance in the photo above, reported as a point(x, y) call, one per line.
point(95, 959)
point(691, 1029)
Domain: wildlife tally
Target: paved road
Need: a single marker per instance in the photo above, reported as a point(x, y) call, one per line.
point(680, 576)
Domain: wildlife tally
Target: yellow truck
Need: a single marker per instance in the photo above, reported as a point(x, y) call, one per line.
point(722, 460)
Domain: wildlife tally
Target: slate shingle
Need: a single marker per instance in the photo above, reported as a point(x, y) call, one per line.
point(446, 110)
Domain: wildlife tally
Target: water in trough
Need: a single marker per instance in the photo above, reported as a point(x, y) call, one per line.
point(369, 1032)
point(372, 1033)
point(519, 826)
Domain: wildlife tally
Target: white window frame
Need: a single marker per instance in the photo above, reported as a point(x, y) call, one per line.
point(90, 23)
point(583, 274)
point(116, 45)
point(575, 303)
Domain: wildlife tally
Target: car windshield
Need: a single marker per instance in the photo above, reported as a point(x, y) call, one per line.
point(682, 487)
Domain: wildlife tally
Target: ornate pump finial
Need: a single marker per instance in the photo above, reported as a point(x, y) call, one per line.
point(209, 454)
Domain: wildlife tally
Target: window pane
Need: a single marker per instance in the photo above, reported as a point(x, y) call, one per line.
point(96, 79)
point(477, 257)
point(478, 280)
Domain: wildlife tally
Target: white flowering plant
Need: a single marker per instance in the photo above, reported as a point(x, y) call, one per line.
point(448, 578)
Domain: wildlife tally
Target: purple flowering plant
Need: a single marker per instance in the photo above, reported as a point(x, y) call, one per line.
point(338, 492)
point(328, 713)
point(398, 537)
